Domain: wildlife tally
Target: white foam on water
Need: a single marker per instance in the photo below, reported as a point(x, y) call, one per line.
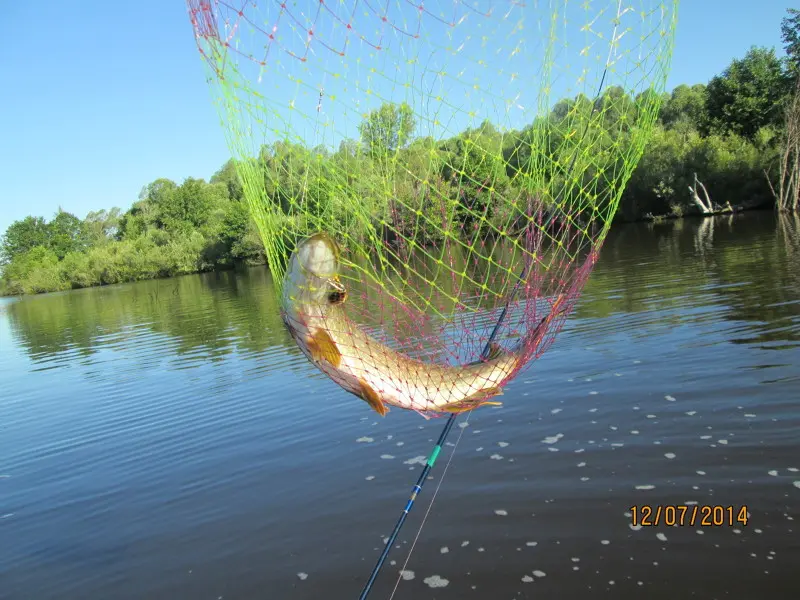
point(539, 573)
point(444, 549)
point(700, 532)
point(364, 440)
point(479, 448)
point(669, 398)
point(502, 444)
point(401, 443)
point(370, 477)
point(796, 484)
point(527, 579)
point(481, 549)
point(387, 456)
point(531, 544)
point(581, 464)
point(792, 469)
point(669, 455)
point(592, 410)
point(463, 424)
point(750, 415)
point(552, 439)
point(496, 457)
point(551, 449)
point(501, 512)
point(555, 411)
point(661, 537)
point(465, 543)
point(691, 413)
point(575, 559)
point(407, 574)
point(723, 442)
point(651, 416)
point(417, 460)
point(647, 486)
point(700, 472)
point(593, 393)
point(634, 527)
point(584, 479)
point(605, 542)
point(302, 576)
point(579, 450)
point(774, 473)
point(635, 431)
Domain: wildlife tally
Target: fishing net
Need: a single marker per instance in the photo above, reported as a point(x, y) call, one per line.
point(467, 158)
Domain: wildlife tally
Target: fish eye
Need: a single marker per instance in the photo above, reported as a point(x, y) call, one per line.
point(337, 296)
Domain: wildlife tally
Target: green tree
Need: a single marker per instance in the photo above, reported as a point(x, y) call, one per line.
point(748, 95)
point(22, 236)
point(790, 33)
point(66, 233)
point(685, 107)
point(102, 225)
point(228, 175)
point(387, 129)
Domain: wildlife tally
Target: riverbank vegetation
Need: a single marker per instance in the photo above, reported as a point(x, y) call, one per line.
point(738, 137)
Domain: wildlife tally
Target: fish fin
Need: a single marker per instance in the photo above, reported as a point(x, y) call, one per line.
point(475, 400)
point(487, 393)
point(322, 347)
point(371, 397)
point(495, 352)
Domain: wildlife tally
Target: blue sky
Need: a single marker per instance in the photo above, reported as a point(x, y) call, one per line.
point(102, 98)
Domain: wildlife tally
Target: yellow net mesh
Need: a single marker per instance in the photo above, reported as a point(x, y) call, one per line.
point(464, 157)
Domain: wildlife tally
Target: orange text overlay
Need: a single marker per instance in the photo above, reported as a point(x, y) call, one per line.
point(701, 515)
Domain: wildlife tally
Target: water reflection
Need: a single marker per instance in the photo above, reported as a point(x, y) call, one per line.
point(166, 439)
point(751, 262)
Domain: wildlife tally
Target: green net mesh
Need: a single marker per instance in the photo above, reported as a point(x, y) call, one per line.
point(465, 160)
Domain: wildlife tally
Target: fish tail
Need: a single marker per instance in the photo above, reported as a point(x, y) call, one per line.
point(474, 401)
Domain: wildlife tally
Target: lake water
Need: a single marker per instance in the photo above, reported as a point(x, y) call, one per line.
point(166, 439)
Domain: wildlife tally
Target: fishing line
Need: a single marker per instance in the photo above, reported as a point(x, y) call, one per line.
point(430, 506)
point(452, 418)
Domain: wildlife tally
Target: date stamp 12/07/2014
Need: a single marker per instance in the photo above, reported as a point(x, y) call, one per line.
point(693, 515)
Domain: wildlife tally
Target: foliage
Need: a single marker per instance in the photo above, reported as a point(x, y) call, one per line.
point(790, 34)
point(748, 95)
point(728, 132)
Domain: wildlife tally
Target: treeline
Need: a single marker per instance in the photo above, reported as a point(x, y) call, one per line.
point(728, 133)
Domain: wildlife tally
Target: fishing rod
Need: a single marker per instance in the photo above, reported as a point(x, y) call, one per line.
point(435, 454)
point(453, 416)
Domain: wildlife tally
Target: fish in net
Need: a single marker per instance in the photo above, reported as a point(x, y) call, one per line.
point(432, 181)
